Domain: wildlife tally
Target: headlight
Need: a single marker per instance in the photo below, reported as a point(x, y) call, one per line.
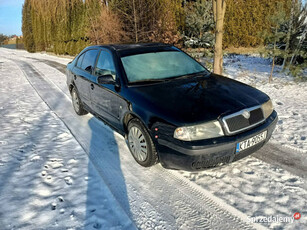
point(267, 109)
point(198, 132)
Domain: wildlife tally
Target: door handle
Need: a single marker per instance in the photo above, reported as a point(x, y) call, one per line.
point(92, 86)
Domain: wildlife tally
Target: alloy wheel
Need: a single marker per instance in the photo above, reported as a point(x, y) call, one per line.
point(137, 144)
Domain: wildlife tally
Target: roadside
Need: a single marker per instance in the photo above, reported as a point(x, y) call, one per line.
point(42, 181)
point(249, 186)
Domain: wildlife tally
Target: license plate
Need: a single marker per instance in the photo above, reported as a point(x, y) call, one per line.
point(251, 141)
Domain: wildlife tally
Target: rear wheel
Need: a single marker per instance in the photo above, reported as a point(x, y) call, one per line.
point(77, 104)
point(140, 144)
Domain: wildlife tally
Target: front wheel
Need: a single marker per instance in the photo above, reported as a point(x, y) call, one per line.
point(76, 102)
point(140, 144)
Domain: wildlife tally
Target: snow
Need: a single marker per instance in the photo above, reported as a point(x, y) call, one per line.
point(256, 188)
point(287, 95)
point(61, 171)
point(43, 168)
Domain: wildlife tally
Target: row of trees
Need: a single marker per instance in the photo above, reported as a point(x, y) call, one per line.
point(245, 20)
point(67, 26)
point(57, 25)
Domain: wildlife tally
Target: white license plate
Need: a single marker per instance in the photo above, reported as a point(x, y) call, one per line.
point(251, 141)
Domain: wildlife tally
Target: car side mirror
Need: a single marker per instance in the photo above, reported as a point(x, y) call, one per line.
point(106, 79)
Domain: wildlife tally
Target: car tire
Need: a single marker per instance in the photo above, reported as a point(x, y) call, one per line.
point(140, 144)
point(76, 102)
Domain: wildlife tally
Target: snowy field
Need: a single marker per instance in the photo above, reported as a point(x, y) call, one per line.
point(61, 171)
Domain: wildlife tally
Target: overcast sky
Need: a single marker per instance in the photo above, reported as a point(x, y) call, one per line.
point(10, 16)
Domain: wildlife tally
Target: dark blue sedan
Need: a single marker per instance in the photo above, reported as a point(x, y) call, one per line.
point(168, 106)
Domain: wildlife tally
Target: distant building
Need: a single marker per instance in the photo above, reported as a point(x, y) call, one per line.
point(14, 42)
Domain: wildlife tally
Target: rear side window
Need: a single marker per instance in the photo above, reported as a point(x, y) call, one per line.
point(105, 64)
point(89, 59)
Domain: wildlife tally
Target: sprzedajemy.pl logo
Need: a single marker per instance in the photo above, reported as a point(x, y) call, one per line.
point(277, 219)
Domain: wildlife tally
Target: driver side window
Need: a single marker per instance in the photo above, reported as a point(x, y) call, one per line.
point(105, 65)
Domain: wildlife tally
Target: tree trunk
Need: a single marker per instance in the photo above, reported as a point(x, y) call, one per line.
point(135, 22)
point(219, 8)
point(271, 75)
point(288, 35)
point(273, 62)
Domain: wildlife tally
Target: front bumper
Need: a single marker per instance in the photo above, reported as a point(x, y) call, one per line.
point(198, 155)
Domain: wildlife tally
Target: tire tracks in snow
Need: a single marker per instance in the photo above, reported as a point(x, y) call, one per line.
point(40, 86)
point(158, 198)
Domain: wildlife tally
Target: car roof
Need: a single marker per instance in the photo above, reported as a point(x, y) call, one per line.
point(137, 48)
point(128, 46)
point(119, 47)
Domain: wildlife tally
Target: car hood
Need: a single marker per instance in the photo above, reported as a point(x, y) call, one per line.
point(197, 99)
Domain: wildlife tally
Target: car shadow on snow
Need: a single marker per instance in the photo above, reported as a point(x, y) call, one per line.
point(105, 159)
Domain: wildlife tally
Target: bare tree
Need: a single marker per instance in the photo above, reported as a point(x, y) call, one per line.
point(219, 8)
point(153, 20)
point(105, 28)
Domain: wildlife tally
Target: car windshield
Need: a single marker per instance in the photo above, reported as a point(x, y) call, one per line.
point(159, 66)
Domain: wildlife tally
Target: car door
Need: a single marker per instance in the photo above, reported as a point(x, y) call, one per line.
point(105, 98)
point(83, 74)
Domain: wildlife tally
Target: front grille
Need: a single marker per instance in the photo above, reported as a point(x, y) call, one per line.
point(237, 122)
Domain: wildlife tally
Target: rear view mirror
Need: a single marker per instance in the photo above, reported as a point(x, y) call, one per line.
point(106, 79)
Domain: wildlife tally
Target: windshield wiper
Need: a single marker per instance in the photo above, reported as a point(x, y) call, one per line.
point(150, 81)
point(190, 75)
point(202, 73)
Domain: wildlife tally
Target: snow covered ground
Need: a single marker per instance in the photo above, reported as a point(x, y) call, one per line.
point(289, 97)
point(46, 180)
point(61, 171)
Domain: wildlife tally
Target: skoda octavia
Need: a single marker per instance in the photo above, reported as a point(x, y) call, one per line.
point(168, 106)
